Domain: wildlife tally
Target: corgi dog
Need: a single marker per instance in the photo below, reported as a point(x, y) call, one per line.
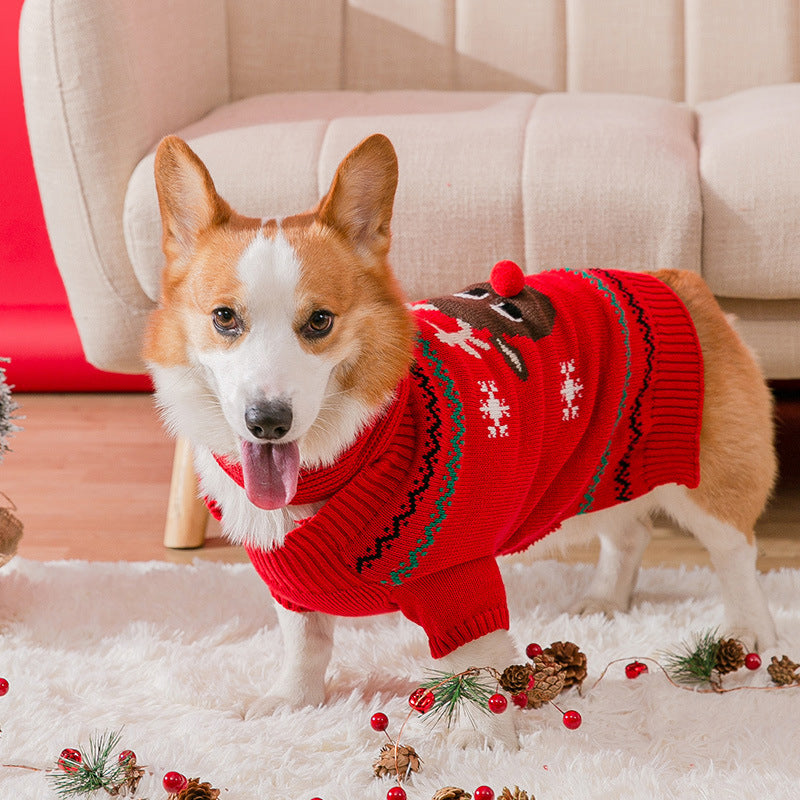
point(373, 455)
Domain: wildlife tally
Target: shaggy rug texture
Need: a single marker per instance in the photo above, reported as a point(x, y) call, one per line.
point(173, 656)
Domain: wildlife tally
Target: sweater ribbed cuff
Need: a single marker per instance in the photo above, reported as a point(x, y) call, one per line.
point(492, 620)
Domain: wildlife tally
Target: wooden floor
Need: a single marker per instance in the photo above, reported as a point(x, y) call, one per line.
point(90, 476)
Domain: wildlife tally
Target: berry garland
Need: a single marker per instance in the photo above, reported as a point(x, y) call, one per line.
point(699, 666)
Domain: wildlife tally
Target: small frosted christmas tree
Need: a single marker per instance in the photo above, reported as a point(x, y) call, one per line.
point(10, 526)
point(8, 408)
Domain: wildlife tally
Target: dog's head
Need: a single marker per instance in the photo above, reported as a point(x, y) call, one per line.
point(275, 341)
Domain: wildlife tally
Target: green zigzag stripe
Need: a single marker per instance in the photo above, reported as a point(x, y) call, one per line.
point(588, 498)
point(451, 470)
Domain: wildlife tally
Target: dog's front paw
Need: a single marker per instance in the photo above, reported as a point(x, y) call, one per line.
point(496, 732)
point(277, 700)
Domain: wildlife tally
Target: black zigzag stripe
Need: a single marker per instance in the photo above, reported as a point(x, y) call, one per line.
point(622, 478)
point(433, 445)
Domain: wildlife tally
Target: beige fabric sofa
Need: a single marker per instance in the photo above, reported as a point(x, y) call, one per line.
point(637, 134)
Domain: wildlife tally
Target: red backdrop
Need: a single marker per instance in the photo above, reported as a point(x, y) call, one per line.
point(36, 328)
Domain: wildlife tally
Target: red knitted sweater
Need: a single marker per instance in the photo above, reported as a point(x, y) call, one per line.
point(581, 391)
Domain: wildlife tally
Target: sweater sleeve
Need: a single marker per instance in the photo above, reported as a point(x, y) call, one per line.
point(455, 605)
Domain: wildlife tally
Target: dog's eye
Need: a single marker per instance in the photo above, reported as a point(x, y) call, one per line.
point(319, 324)
point(225, 320)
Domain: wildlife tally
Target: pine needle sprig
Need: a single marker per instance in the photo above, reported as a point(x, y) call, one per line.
point(454, 691)
point(696, 664)
point(96, 770)
point(8, 407)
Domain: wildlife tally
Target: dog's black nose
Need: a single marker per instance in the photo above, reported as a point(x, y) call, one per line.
point(269, 420)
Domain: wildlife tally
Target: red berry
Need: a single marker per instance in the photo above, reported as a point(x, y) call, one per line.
point(520, 699)
point(396, 793)
point(752, 661)
point(498, 703)
point(531, 682)
point(533, 650)
point(572, 720)
point(3, 687)
point(379, 721)
point(507, 279)
point(483, 793)
point(174, 782)
point(127, 755)
point(70, 760)
point(635, 669)
point(421, 700)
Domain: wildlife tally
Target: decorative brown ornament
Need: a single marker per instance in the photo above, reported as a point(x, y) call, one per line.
point(517, 794)
point(10, 532)
point(515, 679)
point(730, 656)
point(197, 791)
point(397, 764)
point(571, 660)
point(548, 681)
point(451, 793)
point(783, 672)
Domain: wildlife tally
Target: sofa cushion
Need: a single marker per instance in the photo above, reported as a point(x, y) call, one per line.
point(549, 181)
point(750, 168)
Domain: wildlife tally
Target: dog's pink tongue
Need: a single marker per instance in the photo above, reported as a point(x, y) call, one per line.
point(270, 473)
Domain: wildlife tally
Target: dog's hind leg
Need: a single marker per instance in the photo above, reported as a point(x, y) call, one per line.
point(733, 554)
point(737, 462)
point(623, 538)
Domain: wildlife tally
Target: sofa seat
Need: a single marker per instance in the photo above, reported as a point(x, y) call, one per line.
point(553, 180)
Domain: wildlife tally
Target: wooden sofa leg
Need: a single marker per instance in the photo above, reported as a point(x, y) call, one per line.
point(187, 515)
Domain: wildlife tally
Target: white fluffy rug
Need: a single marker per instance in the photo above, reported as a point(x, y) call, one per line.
point(174, 655)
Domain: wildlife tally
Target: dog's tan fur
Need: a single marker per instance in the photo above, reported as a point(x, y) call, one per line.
point(737, 456)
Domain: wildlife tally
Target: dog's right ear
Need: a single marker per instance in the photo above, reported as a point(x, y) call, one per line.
point(188, 201)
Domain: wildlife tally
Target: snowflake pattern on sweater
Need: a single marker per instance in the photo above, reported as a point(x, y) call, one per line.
point(585, 391)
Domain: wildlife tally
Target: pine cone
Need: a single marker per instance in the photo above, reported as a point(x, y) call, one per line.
point(198, 791)
point(451, 793)
point(407, 761)
point(783, 672)
point(133, 775)
point(515, 678)
point(517, 794)
point(549, 681)
point(572, 661)
point(730, 656)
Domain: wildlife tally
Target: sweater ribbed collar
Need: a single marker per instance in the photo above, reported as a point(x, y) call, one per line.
point(316, 485)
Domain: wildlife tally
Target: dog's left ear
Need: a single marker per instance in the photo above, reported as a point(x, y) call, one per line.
point(360, 200)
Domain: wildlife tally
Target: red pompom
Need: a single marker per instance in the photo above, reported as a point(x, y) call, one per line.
point(507, 279)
